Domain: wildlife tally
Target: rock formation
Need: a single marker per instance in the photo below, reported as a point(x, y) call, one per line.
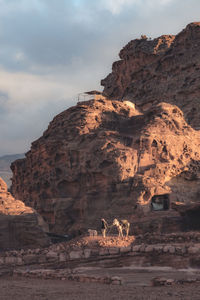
point(20, 226)
point(105, 158)
point(111, 158)
point(5, 162)
point(165, 69)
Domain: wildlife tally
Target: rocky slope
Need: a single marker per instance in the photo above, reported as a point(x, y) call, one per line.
point(164, 69)
point(20, 226)
point(107, 159)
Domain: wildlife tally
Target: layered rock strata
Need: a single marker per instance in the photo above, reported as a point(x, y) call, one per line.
point(165, 69)
point(20, 226)
point(107, 159)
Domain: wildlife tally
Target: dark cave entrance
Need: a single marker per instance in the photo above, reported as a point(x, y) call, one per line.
point(191, 219)
point(160, 202)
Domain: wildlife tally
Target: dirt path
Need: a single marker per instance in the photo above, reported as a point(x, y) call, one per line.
point(136, 280)
point(137, 285)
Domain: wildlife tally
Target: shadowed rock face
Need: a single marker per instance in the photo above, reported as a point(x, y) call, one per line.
point(20, 226)
point(165, 69)
point(104, 158)
point(5, 162)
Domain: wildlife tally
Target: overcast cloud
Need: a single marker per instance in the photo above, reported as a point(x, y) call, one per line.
point(51, 50)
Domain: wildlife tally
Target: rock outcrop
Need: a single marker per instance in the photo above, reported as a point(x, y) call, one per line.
point(128, 155)
point(20, 226)
point(105, 158)
point(5, 162)
point(165, 69)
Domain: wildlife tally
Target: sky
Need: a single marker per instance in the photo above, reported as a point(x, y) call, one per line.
point(51, 50)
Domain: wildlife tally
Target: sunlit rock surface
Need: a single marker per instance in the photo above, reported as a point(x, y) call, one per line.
point(20, 226)
point(107, 159)
point(165, 69)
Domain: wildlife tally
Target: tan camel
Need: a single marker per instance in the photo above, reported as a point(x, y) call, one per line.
point(124, 225)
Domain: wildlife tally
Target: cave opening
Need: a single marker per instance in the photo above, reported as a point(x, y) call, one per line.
point(191, 219)
point(160, 202)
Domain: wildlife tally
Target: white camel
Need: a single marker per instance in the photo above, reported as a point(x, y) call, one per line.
point(92, 232)
point(124, 225)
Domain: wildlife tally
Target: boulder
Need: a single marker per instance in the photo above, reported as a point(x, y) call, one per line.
point(20, 226)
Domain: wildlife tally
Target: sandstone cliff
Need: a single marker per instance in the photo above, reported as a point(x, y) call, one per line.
point(20, 226)
point(165, 69)
point(113, 158)
point(105, 158)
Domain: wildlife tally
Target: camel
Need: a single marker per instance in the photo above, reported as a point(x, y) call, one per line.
point(124, 225)
point(104, 227)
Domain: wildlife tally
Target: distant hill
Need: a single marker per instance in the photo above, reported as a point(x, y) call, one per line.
point(5, 162)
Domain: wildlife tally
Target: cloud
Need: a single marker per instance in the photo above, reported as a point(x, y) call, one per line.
point(52, 50)
point(118, 6)
point(115, 6)
point(30, 102)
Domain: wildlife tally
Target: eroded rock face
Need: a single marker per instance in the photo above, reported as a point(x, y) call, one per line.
point(136, 55)
point(106, 159)
point(165, 69)
point(20, 226)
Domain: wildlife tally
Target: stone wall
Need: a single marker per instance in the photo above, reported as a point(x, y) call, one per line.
point(59, 254)
point(177, 238)
point(66, 274)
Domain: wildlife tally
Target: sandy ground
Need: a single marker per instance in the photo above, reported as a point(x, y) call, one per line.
point(35, 289)
point(136, 281)
point(136, 285)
